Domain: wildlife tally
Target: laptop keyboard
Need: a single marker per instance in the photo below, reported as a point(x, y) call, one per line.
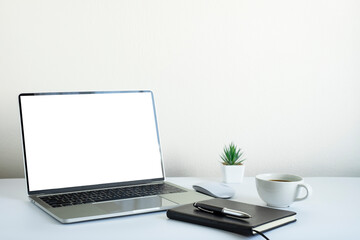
point(76, 198)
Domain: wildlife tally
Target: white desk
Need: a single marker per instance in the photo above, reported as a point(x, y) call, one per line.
point(332, 212)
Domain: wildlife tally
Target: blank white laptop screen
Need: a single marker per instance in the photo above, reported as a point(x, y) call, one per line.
point(84, 139)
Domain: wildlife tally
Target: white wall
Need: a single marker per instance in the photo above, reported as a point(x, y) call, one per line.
point(280, 78)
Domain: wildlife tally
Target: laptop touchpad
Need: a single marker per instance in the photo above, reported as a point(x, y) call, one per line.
point(135, 205)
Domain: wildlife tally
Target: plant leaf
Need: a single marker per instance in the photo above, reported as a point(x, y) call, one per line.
point(232, 155)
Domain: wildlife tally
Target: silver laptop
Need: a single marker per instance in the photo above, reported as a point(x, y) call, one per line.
point(92, 155)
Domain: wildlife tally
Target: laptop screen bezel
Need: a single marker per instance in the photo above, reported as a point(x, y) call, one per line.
point(87, 187)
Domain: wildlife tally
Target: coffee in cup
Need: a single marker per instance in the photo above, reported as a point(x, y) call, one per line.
point(281, 190)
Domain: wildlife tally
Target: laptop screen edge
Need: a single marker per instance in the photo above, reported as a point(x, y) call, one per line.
point(95, 186)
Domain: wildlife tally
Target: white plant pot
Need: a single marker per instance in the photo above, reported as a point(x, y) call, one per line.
point(233, 173)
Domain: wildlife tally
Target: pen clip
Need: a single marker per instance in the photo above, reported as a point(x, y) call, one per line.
point(205, 210)
point(202, 209)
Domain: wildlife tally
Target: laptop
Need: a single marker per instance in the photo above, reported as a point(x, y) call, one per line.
point(93, 155)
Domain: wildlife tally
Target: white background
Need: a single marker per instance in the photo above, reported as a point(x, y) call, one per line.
point(76, 140)
point(279, 78)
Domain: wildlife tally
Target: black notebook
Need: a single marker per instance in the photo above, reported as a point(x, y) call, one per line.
point(263, 218)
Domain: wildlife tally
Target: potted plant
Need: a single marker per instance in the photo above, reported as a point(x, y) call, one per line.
point(232, 164)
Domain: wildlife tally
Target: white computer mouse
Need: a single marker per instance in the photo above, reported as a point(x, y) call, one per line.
point(215, 189)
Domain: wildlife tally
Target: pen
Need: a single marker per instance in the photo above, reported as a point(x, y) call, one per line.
point(219, 210)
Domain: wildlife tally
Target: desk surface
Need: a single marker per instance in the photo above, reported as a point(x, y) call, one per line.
point(332, 212)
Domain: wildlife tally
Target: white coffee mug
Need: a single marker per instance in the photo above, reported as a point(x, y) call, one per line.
point(281, 190)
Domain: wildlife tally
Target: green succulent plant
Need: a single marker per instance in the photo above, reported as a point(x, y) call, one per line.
point(232, 155)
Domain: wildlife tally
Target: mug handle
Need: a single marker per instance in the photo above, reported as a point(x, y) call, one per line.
point(308, 191)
